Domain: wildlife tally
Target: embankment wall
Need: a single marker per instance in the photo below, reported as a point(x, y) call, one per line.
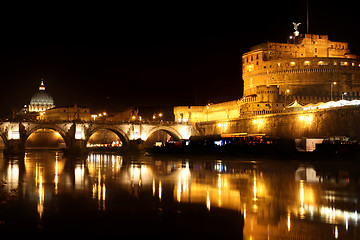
point(344, 121)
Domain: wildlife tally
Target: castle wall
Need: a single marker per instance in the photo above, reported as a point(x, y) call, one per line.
point(306, 76)
point(316, 123)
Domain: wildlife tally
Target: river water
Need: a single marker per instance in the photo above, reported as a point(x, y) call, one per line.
point(172, 197)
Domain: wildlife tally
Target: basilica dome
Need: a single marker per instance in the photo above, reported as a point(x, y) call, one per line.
point(41, 100)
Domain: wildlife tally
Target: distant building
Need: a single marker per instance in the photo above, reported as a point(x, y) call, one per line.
point(66, 113)
point(41, 100)
point(143, 113)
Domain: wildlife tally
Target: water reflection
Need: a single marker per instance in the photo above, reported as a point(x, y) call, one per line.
point(274, 199)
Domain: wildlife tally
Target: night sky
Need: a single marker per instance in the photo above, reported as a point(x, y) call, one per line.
point(110, 57)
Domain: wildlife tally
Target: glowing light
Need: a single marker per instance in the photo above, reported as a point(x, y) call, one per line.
point(56, 180)
point(13, 132)
point(185, 132)
point(302, 197)
point(160, 190)
point(153, 187)
point(288, 222)
point(307, 119)
point(336, 232)
point(41, 190)
point(79, 132)
point(254, 189)
point(207, 200)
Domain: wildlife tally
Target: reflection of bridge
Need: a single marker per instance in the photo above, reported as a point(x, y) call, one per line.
point(77, 134)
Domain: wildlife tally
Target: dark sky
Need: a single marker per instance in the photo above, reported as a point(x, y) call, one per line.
point(109, 57)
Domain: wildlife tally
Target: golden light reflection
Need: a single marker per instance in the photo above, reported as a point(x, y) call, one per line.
point(182, 186)
point(153, 187)
point(160, 190)
point(41, 191)
point(302, 196)
point(336, 232)
point(99, 166)
point(255, 189)
point(99, 190)
point(56, 179)
point(288, 221)
point(215, 191)
point(254, 194)
point(12, 176)
point(208, 200)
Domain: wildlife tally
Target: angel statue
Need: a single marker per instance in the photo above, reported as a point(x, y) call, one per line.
point(296, 25)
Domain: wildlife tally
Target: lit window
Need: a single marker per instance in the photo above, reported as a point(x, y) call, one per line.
point(307, 63)
point(292, 63)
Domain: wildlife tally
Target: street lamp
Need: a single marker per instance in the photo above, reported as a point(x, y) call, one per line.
point(331, 92)
point(287, 91)
point(342, 95)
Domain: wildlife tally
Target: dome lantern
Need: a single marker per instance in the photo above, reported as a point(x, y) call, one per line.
point(42, 86)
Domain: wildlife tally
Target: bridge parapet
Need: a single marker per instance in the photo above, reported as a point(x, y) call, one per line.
point(76, 134)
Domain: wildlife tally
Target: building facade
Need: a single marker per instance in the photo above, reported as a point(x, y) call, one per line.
point(307, 67)
point(69, 113)
point(266, 100)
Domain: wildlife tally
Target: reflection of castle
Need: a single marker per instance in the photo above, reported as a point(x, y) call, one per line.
point(309, 68)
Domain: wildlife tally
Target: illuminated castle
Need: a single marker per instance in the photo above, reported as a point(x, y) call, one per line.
point(308, 68)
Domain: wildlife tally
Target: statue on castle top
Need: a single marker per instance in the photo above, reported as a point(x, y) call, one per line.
point(296, 25)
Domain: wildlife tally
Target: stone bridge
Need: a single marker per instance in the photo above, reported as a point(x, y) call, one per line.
point(77, 134)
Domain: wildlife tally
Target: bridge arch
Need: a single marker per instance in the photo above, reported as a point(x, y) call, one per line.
point(4, 139)
point(169, 130)
point(48, 126)
point(118, 132)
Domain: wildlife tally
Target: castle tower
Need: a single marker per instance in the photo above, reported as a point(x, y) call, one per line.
point(306, 66)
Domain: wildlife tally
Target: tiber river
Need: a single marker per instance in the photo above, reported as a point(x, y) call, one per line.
point(171, 197)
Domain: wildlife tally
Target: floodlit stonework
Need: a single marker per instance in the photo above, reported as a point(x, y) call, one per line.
point(308, 68)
